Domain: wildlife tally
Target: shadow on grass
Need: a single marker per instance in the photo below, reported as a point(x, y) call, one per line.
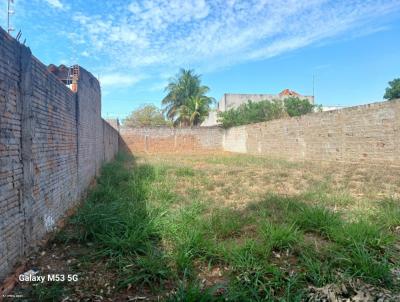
point(120, 228)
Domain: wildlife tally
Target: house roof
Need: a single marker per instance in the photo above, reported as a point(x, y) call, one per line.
point(287, 92)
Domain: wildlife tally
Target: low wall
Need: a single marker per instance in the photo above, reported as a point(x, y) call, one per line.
point(52, 144)
point(368, 133)
point(169, 140)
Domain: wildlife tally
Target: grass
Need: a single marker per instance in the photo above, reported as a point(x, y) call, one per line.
point(162, 228)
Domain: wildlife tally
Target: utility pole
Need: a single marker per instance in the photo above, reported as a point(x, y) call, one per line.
point(9, 13)
point(313, 86)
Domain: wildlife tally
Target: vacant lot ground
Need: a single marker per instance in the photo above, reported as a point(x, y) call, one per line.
point(229, 227)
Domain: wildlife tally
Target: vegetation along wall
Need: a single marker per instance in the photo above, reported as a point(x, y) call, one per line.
point(52, 144)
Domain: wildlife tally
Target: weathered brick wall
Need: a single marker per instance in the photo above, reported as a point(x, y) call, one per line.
point(367, 133)
point(90, 128)
point(169, 140)
point(234, 139)
point(110, 141)
point(52, 144)
point(11, 173)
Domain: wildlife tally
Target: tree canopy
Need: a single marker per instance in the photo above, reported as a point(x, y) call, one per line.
point(296, 107)
point(186, 103)
point(147, 115)
point(255, 112)
point(393, 91)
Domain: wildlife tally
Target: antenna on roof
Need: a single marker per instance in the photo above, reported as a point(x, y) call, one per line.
point(9, 13)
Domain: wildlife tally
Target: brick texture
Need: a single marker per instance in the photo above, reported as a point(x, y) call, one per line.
point(366, 134)
point(11, 171)
point(52, 144)
point(170, 140)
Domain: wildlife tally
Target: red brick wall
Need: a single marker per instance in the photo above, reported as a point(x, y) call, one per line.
point(11, 172)
point(170, 140)
point(52, 144)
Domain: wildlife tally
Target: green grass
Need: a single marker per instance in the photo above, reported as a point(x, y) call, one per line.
point(47, 292)
point(279, 237)
point(317, 219)
point(155, 239)
point(185, 172)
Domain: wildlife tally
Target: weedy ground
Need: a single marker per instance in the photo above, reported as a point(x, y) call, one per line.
point(229, 227)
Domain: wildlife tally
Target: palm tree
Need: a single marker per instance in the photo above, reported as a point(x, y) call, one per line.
point(184, 92)
point(195, 111)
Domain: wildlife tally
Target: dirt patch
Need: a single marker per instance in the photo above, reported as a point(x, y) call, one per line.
point(352, 291)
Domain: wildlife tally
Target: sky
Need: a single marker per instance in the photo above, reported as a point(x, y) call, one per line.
point(351, 47)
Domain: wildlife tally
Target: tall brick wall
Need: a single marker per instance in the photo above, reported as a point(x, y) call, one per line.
point(367, 133)
point(49, 147)
point(169, 140)
point(52, 143)
point(90, 128)
point(11, 172)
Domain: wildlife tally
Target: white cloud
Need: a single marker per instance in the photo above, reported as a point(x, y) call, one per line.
point(153, 36)
point(85, 53)
point(118, 80)
point(55, 4)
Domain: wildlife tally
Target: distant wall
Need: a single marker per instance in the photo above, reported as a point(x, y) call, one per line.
point(52, 144)
point(110, 141)
point(367, 133)
point(169, 140)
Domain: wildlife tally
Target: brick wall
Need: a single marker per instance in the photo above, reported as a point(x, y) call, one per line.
point(110, 141)
point(169, 140)
point(11, 172)
point(90, 128)
point(52, 144)
point(368, 133)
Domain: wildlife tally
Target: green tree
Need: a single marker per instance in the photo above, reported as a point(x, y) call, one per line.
point(393, 91)
point(194, 111)
point(255, 112)
point(146, 116)
point(251, 112)
point(184, 93)
point(296, 107)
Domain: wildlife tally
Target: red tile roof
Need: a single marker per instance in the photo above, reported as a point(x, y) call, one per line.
point(289, 93)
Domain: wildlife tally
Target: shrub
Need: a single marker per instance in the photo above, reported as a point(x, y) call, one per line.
point(393, 91)
point(146, 116)
point(251, 112)
point(255, 112)
point(296, 107)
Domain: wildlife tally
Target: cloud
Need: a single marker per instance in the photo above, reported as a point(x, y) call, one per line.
point(118, 80)
point(55, 3)
point(153, 36)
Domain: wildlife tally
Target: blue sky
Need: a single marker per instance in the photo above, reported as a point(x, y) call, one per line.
point(239, 46)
